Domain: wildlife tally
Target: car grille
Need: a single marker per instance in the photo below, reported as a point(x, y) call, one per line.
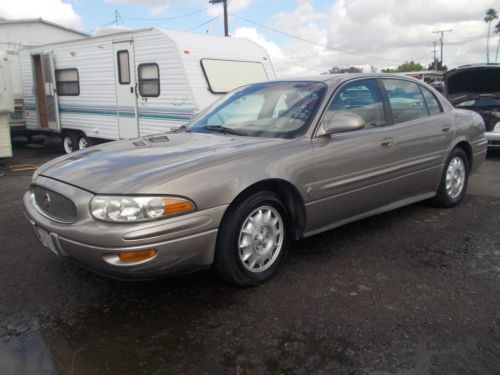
point(53, 205)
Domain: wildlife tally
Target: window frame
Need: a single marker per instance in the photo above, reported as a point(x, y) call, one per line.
point(338, 89)
point(139, 80)
point(441, 109)
point(120, 67)
point(393, 123)
point(56, 71)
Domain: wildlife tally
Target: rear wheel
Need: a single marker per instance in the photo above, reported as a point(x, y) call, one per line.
point(69, 142)
point(83, 142)
point(454, 180)
point(253, 240)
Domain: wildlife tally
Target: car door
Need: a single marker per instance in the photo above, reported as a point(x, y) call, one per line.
point(353, 171)
point(422, 133)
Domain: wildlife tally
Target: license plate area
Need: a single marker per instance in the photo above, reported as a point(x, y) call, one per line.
point(46, 239)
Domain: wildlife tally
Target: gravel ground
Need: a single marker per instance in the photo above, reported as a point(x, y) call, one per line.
point(413, 291)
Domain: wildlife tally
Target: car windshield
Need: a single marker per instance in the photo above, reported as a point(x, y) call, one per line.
point(269, 109)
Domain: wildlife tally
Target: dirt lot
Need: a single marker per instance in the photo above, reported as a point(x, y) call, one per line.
point(413, 291)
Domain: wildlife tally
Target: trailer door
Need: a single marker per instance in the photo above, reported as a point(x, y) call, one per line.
point(49, 85)
point(126, 100)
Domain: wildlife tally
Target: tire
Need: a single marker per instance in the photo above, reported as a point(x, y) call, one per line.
point(69, 142)
point(255, 229)
point(83, 141)
point(454, 180)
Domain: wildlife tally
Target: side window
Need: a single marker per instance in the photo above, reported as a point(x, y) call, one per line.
point(67, 82)
point(362, 98)
point(432, 102)
point(407, 102)
point(149, 80)
point(123, 67)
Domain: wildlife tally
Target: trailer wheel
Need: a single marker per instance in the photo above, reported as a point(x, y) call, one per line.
point(83, 141)
point(69, 142)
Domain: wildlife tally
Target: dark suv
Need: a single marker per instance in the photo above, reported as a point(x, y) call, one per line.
point(477, 87)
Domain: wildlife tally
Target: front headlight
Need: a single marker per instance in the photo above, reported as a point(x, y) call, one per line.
point(134, 209)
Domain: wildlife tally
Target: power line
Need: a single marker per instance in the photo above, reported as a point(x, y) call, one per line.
point(106, 24)
point(167, 18)
point(204, 23)
point(310, 41)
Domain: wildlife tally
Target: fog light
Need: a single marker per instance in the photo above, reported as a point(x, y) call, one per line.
point(136, 256)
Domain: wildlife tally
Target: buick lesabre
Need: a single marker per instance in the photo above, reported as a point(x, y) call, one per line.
point(266, 164)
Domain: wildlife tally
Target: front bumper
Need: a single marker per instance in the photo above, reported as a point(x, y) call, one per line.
point(184, 244)
point(493, 139)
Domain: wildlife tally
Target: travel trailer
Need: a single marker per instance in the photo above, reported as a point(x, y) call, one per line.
point(132, 83)
point(14, 35)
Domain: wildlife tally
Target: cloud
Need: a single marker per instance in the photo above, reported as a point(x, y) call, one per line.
point(370, 32)
point(250, 33)
point(56, 11)
point(157, 6)
point(233, 6)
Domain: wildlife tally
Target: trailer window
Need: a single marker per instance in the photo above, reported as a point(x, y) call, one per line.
point(149, 80)
point(226, 75)
point(123, 67)
point(67, 82)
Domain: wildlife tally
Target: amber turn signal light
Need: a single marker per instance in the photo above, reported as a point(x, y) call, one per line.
point(174, 206)
point(136, 256)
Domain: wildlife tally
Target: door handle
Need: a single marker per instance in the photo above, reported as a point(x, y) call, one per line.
point(387, 142)
point(445, 128)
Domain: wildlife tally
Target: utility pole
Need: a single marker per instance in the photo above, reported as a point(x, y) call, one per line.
point(442, 42)
point(224, 3)
point(116, 17)
point(434, 52)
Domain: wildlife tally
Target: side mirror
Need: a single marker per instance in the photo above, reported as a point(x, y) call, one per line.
point(343, 122)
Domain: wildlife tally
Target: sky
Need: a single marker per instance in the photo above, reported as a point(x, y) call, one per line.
point(303, 37)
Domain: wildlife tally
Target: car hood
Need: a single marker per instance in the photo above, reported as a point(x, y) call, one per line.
point(472, 82)
point(127, 166)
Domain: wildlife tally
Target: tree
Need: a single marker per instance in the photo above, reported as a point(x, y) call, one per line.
point(439, 66)
point(491, 15)
point(351, 69)
point(389, 70)
point(407, 66)
point(497, 31)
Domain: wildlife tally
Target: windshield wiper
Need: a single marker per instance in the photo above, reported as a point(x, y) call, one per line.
point(223, 129)
point(180, 129)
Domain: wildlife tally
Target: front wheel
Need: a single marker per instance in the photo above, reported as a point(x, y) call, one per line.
point(454, 180)
point(253, 240)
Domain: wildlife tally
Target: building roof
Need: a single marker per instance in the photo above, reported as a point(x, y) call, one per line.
point(41, 20)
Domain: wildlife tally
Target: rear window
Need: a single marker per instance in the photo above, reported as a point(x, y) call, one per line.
point(406, 99)
point(432, 102)
point(226, 75)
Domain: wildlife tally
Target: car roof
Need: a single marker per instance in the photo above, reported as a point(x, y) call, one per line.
point(336, 78)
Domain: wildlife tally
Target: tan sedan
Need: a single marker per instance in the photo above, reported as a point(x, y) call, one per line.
point(267, 164)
